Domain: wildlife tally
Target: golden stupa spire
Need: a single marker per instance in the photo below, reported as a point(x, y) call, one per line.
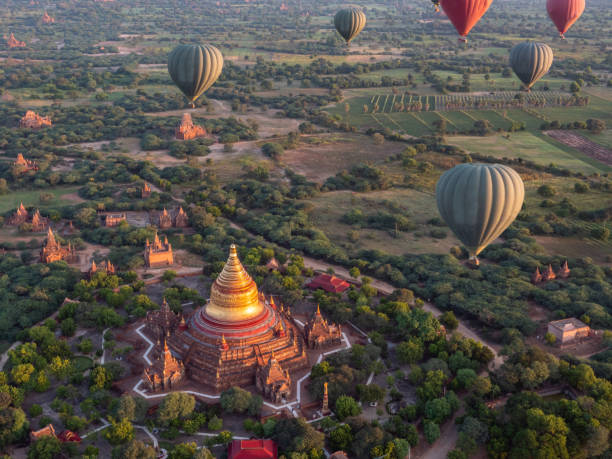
point(234, 296)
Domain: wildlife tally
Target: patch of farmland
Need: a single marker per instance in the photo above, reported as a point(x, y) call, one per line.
point(580, 143)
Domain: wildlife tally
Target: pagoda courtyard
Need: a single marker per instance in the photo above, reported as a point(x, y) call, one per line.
point(239, 337)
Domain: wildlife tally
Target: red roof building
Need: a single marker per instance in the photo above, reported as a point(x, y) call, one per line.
point(68, 436)
point(252, 449)
point(330, 284)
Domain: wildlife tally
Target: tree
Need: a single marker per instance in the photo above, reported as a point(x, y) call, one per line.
point(272, 150)
point(100, 379)
point(595, 125)
point(68, 327)
point(410, 351)
point(215, 423)
point(238, 400)
point(346, 406)
point(136, 449)
point(550, 338)
point(341, 437)
point(126, 408)
point(295, 434)
point(465, 378)
point(449, 320)
point(184, 451)
point(431, 431)
point(45, 448)
point(176, 405)
point(120, 431)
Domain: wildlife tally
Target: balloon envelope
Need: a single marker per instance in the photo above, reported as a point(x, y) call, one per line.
point(531, 61)
point(464, 14)
point(194, 68)
point(564, 13)
point(349, 22)
point(479, 201)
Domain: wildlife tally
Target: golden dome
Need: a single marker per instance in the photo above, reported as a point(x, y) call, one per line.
point(233, 295)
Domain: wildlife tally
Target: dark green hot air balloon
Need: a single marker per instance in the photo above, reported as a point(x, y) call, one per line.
point(349, 22)
point(194, 68)
point(531, 61)
point(478, 202)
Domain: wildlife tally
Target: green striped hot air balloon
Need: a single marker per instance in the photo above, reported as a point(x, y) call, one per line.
point(349, 22)
point(478, 202)
point(531, 61)
point(194, 68)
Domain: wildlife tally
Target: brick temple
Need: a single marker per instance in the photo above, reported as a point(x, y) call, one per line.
point(187, 130)
point(239, 338)
point(158, 254)
point(25, 165)
point(112, 220)
point(54, 251)
point(33, 120)
point(146, 191)
point(179, 220)
point(106, 267)
point(38, 222)
point(12, 42)
point(46, 19)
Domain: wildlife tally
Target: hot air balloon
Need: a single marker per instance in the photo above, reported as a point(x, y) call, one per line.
point(194, 68)
point(531, 61)
point(564, 13)
point(478, 202)
point(464, 14)
point(349, 22)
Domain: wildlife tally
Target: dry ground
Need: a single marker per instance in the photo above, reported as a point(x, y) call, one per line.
point(336, 152)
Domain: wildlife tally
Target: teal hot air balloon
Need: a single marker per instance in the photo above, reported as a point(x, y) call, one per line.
point(349, 22)
point(531, 61)
point(478, 202)
point(194, 68)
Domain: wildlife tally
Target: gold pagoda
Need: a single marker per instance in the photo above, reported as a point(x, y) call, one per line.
point(230, 340)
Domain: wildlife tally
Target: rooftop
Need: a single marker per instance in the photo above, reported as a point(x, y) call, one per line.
point(568, 324)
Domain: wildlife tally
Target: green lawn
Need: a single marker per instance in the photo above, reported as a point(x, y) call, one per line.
point(605, 138)
point(32, 198)
point(527, 146)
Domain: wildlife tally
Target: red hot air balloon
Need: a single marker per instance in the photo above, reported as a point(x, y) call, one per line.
point(464, 14)
point(564, 13)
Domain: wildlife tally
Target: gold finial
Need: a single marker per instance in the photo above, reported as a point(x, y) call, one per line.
point(232, 251)
point(318, 310)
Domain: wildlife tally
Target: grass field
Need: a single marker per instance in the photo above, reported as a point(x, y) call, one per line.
point(82, 363)
point(605, 138)
point(527, 146)
point(32, 198)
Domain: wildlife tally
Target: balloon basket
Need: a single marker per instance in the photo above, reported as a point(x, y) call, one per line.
point(473, 262)
point(462, 40)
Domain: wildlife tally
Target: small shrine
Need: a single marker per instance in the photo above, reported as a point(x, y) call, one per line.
point(12, 42)
point(146, 191)
point(549, 274)
point(32, 120)
point(112, 220)
point(25, 165)
point(187, 130)
point(166, 371)
point(272, 381)
point(20, 216)
point(46, 19)
point(319, 333)
point(163, 322)
point(179, 220)
point(106, 267)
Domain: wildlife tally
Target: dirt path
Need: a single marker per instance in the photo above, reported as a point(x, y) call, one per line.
point(582, 144)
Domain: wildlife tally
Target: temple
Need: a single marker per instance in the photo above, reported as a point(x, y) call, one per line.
point(46, 19)
point(25, 165)
point(53, 250)
point(162, 322)
point(165, 373)
point(146, 191)
point(329, 283)
point(158, 254)
point(12, 42)
point(549, 274)
point(237, 339)
point(32, 120)
point(111, 220)
point(319, 333)
point(187, 130)
point(166, 220)
point(106, 267)
point(37, 222)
